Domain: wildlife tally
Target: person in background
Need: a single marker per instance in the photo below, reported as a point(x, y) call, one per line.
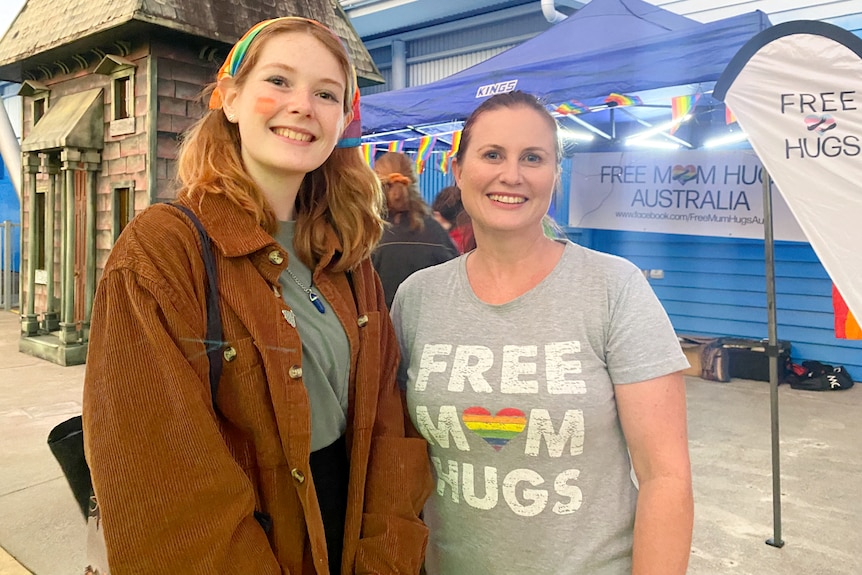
point(413, 240)
point(448, 210)
point(546, 378)
point(300, 464)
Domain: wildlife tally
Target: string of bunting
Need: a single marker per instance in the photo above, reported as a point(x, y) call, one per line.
point(423, 153)
point(680, 106)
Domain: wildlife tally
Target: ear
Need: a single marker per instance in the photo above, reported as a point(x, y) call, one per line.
point(456, 171)
point(229, 92)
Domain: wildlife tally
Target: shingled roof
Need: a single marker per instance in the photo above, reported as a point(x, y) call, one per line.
point(43, 26)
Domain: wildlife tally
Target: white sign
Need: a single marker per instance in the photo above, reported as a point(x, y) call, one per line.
point(797, 93)
point(695, 192)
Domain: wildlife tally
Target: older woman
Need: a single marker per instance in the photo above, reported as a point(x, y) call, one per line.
point(541, 373)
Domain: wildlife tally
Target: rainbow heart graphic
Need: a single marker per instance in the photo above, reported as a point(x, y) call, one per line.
point(684, 174)
point(822, 123)
point(498, 429)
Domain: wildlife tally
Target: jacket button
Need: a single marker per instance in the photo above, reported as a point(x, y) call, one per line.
point(297, 475)
point(362, 320)
point(276, 257)
point(229, 354)
point(295, 372)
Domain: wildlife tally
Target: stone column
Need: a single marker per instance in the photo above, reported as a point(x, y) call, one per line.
point(92, 160)
point(70, 158)
point(51, 166)
point(29, 322)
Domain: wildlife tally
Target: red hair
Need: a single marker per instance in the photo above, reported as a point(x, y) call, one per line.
point(342, 194)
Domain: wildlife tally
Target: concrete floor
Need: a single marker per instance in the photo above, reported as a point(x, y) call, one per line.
point(729, 429)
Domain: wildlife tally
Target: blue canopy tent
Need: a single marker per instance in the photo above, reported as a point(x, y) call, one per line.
point(609, 46)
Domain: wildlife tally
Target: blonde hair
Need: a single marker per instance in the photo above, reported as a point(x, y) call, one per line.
point(342, 194)
point(413, 204)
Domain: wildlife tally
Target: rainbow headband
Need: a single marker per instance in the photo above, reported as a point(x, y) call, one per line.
point(352, 135)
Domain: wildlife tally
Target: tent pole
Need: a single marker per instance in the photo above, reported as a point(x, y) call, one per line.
point(772, 352)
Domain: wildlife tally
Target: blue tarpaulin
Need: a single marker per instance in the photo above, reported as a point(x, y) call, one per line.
point(609, 46)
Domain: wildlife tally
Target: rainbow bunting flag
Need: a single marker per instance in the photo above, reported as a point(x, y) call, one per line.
point(446, 161)
point(571, 108)
point(680, 106)
point(423, 154)
point(397, 146)
point(456, 141)
point(729, 118)
point(846, 326)
point(622, 100)
point(368, 152)
point(445, 158)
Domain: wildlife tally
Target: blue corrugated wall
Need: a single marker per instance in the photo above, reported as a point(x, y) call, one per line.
point(717, 286)
point(432, 180)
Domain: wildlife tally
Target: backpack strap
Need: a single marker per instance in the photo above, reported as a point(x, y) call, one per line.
point(213, 337)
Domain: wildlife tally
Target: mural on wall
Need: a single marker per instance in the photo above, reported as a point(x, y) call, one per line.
point(796, 90)
point(694, 192)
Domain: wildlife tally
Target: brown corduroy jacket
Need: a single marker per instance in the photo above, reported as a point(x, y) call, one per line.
point(177, 486)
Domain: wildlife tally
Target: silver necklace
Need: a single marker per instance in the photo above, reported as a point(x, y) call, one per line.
point(312, 297)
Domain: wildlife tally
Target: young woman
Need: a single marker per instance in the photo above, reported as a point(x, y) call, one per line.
point(541, 373)
point(302, 466)
point(413, 240)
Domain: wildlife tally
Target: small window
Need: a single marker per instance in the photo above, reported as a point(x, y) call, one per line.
point(121, 93)
point(124, 100)
point(124, 207)
point(40, 106)
point(39, 235)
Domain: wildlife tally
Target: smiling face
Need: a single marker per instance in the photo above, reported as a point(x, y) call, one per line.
point(289, 108)
point(508, 171)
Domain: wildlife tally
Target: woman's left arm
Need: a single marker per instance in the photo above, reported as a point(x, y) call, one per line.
point(653, 418)
point(399, 480)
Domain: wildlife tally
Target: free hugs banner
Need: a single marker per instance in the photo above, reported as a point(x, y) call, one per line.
point(695, 192)
point(796, 90)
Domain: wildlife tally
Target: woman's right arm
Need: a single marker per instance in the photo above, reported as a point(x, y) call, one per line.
point(172, 498)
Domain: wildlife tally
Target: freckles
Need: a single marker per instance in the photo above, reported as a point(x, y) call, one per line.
point(264, 106)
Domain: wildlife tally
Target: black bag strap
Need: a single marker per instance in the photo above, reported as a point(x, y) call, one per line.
point(353, 291)
point(213, 337)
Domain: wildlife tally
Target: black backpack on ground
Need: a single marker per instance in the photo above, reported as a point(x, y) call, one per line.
point(816, 376)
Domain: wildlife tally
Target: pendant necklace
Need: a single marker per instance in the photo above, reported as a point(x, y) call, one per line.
point(312, 297)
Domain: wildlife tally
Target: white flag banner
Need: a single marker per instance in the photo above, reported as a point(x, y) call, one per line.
point(796, 90)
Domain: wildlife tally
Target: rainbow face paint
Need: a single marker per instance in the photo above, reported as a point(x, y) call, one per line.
point(264, 106)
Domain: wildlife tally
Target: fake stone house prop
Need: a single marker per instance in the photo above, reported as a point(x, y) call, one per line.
point(108, 88)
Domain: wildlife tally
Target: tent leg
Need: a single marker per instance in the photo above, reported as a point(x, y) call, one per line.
point(772, 352)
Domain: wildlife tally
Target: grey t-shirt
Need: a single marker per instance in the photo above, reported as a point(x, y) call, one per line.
point(325, 350)
point(517, 404)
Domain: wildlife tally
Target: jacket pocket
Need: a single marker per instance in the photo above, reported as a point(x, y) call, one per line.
point(248, 419)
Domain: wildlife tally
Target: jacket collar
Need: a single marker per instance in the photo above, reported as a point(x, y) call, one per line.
point(236, 233)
